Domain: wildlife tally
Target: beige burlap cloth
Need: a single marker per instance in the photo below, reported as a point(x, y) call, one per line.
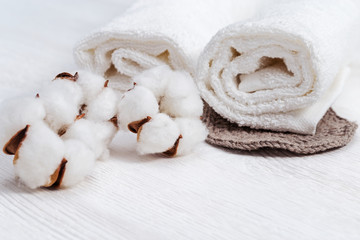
point(332, 132)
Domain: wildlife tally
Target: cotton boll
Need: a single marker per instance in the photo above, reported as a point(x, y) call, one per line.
point(18, 112)
point(180, 85)
point(71, 90)
point(62, 99)
point(158, 135)
point(135, 105)
point(39, 155)
point(84, 131)
point(193, 132)
point(189, 106)
point(91, 84)
point(181, 98)
point(105, 155)
point(155, 79)
point(81, 160)
point(104, 133)
point(95, 135)
point(104, 106)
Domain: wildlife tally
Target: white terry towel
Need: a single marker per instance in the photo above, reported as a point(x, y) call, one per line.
point(282, 69)
point(157, 32)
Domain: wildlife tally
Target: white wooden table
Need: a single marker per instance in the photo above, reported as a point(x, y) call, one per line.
point(211, 194)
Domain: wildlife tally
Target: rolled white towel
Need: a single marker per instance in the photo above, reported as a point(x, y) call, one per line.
point(157, 32)
point(283, 69)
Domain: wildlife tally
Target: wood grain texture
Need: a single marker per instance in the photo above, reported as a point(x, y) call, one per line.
point(212, 194)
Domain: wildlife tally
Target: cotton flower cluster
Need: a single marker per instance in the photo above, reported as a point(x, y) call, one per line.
point(164, 109)
point(57, 135)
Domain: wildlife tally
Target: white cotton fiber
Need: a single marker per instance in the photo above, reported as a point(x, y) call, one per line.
point(155, 79)
point(62, 99)
point(180, 85)
point(90, 83)
point(193, 132)
point(189, 106)
point(39, 156)
point(181, 98)
point(80, 162)
point(135, 105)
point(95, 135)
point(158, 135)
point(103, 107)
point(71, 90)
point(18, 112)
point(84, 131)
point(105, 132)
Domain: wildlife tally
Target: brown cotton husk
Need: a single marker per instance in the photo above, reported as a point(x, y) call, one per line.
point(57, 177)
point(173, 150)
point(78, 117)
point(134, 85)
point(136, 125)
point(114, 120)
point(82, 109)
point(68, 76)
point(16, 157)
point(106, 84)
point(62, 131)
point(14, 143)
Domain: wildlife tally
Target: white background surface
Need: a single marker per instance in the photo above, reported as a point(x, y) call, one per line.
point(211, 194)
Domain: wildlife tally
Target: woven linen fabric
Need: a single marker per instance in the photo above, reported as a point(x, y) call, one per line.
point(332, 132)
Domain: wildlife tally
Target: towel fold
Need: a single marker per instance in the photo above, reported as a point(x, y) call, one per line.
point(157, 32)
point(282, 69)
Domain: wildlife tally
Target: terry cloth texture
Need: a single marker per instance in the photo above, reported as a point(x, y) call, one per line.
point(332, 132)
point(282, 69)
point(157, 32)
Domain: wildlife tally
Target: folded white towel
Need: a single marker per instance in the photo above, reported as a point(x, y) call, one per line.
point(157, 32)
point(282, 69)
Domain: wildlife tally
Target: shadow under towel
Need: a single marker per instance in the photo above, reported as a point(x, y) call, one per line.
point(332, 132)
